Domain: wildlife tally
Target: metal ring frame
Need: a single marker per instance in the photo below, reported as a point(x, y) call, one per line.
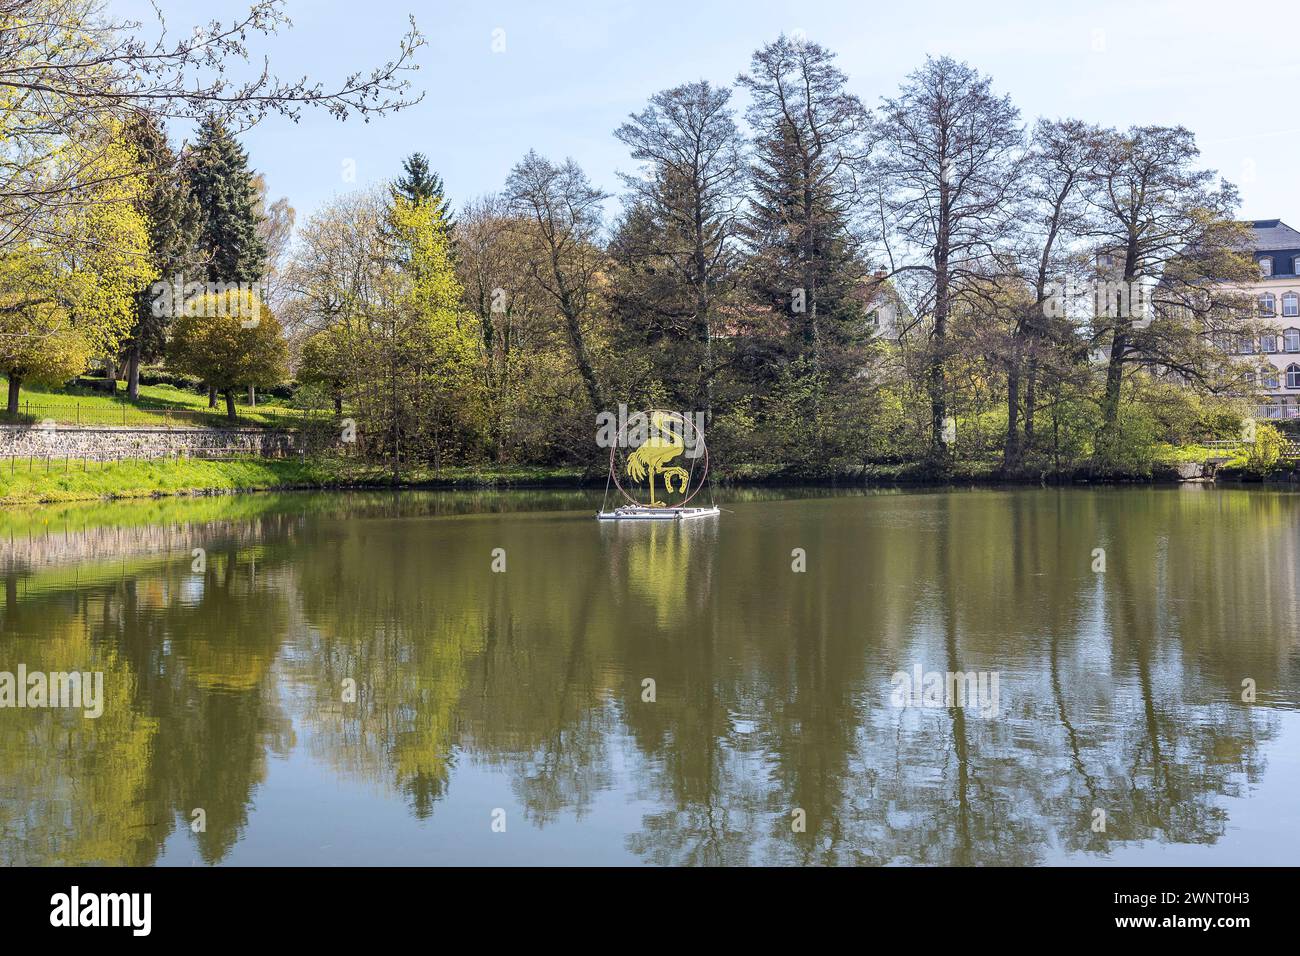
point(613, 470)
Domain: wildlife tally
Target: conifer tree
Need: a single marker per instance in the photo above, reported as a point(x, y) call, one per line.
point(230, 246)
point(808, 137)
point(173, 219)
point(419, 184)
point(222, 183)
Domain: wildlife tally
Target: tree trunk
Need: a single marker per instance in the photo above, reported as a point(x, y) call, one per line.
point(1011, 450)
point(1114, 379)
point(940, 454)
point(583, 360)
point(110, 369)
point(338, 403)
point(1031, 400)
point(252, 396)
point(15, 384)
point(133, 372)
point(230, 404)
point(212, 396)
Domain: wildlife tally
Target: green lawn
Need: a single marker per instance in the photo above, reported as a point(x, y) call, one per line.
point(34, 480)
point(158, 405)
point(24, 480)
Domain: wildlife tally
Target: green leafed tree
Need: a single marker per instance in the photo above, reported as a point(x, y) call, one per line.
point(61, 303)
point(421, 346)
point(221, 344)
point(808, 138)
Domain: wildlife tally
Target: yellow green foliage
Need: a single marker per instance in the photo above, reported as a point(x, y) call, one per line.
point(1263, 454)
point(73, 296)
point(229, 341)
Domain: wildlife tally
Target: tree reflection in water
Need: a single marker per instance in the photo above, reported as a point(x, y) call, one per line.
point(1119, 691)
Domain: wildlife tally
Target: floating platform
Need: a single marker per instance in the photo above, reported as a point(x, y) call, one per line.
point(642, 513)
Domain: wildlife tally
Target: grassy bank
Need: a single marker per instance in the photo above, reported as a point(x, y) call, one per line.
point(157, 405)
point(32, 481)
point(24, 480)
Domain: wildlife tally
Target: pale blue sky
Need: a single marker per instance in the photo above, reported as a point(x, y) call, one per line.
point(572, 69)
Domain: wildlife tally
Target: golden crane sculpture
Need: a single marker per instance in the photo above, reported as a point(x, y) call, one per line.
point(653, 455)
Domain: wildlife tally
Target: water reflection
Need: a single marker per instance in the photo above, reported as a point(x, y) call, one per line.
point(370, 637)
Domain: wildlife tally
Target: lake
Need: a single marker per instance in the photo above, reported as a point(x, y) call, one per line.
point(1028, 676)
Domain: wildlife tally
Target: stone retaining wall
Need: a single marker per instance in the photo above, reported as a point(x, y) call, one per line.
point(98, 442)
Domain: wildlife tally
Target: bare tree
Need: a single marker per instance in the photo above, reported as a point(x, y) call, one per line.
point(66, 67)
point(691, 190)
point(1062, 157)
point(951, 163)
point(809, 137)
point(333, 277)
point(1161, 221)
point(492, 257)
point(563, 254)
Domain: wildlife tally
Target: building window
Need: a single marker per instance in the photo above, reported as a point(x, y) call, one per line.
point(1291, 304)
point(1247, 346)
point(1270, 378)
point(1293, 376)
point(1268, 342)
point(1291, 340)
point(1267, 304)
point(1266, 265)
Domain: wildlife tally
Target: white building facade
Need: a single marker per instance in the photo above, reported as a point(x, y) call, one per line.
point(1274, 355)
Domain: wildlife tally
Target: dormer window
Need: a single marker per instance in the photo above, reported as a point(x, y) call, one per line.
point(1266, 265)
point(1295, 266)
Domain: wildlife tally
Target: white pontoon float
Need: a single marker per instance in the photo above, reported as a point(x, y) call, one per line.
point(641, 513)
point(654, 457)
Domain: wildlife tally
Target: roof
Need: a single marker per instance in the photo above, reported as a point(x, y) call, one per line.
point(1273, 235)
point(1272, 238)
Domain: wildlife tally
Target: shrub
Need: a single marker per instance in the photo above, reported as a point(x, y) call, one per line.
point(1264, 454)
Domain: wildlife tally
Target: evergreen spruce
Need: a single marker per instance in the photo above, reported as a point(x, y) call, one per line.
point(419, 184)
point(222, 183)
point(173, 217)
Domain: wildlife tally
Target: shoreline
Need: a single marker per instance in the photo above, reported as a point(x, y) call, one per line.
point(144, 479)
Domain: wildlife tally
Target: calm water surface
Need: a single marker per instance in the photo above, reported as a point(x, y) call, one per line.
point(520, 698)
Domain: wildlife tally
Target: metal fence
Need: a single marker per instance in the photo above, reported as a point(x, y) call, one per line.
point(1276, 412)
point(1290, 449)
point(50, 464)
